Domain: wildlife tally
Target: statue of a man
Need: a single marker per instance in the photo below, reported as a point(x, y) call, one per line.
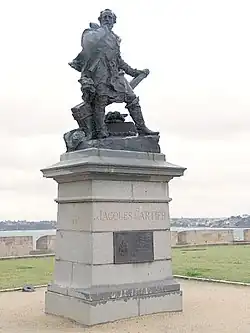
point(102, 75)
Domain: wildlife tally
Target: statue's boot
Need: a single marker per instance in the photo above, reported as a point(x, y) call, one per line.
point(136, 115)
point(101, 129)
point(87, 126)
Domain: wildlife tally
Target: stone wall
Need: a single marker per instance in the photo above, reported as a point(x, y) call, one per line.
point(200, 237)
point(174, 238)
point(46, 243)
point(247, 235)
point(23, 245)
point(16, 246)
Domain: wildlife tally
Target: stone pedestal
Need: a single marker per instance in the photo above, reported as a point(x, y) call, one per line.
point(113, 248)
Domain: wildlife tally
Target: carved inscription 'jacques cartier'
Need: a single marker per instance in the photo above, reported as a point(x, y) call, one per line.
point(136, 215)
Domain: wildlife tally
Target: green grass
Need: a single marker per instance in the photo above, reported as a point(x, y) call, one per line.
point(218, 262)
point(18, 272)
point(230, 262)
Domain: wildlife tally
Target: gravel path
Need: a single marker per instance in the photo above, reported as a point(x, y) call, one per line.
point(208, 308)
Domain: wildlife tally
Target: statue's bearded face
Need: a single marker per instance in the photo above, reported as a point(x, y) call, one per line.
point(107, 19)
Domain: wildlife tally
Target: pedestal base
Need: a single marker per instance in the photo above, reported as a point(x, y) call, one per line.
point(113, 246)
point(109, 303)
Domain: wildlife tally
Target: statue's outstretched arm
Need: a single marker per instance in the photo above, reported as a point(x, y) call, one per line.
point(127, 69)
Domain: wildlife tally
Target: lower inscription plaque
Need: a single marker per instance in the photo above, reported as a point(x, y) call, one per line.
point(133, 247)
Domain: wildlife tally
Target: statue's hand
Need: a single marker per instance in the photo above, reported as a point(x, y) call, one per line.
point(143, 71)
point(105, 29)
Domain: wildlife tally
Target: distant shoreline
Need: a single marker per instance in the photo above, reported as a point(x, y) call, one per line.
point(52, 231)
point(13, 233)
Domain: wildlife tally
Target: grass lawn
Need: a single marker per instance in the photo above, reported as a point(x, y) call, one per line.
point(219, 262)
point(230, 262)
point(18, 272)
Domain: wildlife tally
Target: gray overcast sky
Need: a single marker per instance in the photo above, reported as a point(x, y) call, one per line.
point(197, 95)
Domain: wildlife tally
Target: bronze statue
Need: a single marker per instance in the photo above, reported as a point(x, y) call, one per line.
point(102, 80)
